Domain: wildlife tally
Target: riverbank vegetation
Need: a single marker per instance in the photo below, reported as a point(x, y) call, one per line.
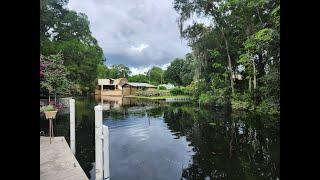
point(235, 58)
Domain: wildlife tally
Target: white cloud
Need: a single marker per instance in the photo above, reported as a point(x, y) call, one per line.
point(139, 33)
point(165, 66)
point(143, 69)
point(139, 70)
point(139, 48)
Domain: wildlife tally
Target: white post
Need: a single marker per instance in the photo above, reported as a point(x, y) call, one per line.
point(98, 142)
point(72, 126)
point(106, 172)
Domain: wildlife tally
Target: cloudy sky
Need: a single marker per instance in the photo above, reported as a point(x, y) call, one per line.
point(137, 33)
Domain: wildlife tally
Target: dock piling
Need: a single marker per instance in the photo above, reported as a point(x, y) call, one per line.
point(98, 142)
point(72, 126)
point(106, 172)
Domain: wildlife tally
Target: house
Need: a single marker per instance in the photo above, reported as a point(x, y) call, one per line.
point(130, 88)
point(120, 87)
point(110, 87)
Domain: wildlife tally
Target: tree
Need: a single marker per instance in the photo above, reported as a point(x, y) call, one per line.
point(156, 75)
point(103, 71)
point(187, 72)
point(243, 33)
point(119, 71)
point(172, 74)
point(138, 78)
point(67, 32)
point(54, 75)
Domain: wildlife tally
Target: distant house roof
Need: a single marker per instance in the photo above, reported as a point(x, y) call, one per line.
point(110, 81)
point(135, 84)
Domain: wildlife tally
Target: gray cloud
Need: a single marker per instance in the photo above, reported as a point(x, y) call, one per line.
point(138, 33)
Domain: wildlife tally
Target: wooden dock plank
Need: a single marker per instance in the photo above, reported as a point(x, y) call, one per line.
point(57, 161)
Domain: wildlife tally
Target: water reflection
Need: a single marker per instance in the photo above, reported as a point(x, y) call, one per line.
point(228, 146)
point(159, 140)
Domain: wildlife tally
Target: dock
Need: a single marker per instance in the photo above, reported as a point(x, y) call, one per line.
point(57, 161)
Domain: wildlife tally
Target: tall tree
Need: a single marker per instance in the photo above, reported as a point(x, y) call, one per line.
point(242, 33)
point(67, 32)
point(54, 75)
point(156, 75)
point(172, 74)
point(119, 71)
point(142, 78)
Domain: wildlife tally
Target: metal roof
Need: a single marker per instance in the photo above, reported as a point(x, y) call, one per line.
point(135, 84)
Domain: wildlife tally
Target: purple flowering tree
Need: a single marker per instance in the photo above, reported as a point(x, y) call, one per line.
point(53, 76)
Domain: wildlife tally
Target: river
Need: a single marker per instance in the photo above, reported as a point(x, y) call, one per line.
point(161, 140)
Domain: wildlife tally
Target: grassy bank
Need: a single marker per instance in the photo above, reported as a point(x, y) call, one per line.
point(158, 97)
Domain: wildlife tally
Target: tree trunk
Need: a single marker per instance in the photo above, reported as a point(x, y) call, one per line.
point(227, 49)
point(49, 99)
point(229, 64)
point(225, 79)
point(259, 17)
point(254, 76)
point(55, 99)
point(250, 84)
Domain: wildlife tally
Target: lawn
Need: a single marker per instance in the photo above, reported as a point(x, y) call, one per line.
point(158, 97)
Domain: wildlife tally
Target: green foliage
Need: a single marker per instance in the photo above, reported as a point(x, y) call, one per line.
point(119, 71)
point(181, 91)
point(172, 74)
point(197, 87)
point(268, 107)
point(180, 71)
point(242, 101)
point(206, 98)
point(47, 108)
point(54, 78)
point(156, 75)
point(162, 88)
point(176, 91)
point(67, 32)
point(138, 78)
point(243, 34)
point(76, 89)
point(103, 71)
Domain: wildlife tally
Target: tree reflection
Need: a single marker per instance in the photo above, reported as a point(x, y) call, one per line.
point(227, 145)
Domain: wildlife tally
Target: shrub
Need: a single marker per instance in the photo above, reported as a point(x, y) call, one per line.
point(206, 99)
point(186, 90)
point(47, 108)
point(176, 91)
point(162, 88)
point(268, 107)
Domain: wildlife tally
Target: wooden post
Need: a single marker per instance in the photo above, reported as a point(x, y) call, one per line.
point(106, 170)
point(50, 128)
point(98, 142)
point(72, 126)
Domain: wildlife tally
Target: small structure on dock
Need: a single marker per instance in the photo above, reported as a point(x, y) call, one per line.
point(120, 87)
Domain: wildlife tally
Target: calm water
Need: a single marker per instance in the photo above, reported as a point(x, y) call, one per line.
point(157, 140)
